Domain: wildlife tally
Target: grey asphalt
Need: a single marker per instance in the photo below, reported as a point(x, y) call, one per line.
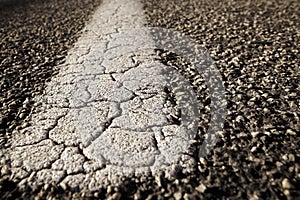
point(255, 46)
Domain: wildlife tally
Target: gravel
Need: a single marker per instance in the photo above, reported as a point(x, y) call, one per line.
point(255, 46)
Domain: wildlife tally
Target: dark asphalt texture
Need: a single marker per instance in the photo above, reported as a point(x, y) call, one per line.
point(255, 45)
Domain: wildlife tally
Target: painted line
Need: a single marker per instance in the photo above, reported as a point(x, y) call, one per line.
point(110, 112)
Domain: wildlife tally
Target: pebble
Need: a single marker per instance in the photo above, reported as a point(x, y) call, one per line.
point(4, 170)
point(31, 177)
point(253, 149)
point(25, 124)
point(158, 181)
point(26, 102)
point(137, 196)
point(201, 188)
point(96, 194)
point(64, 186)
point(177, 195)
point(187, 196)
point(291, 132)
point(109, 189)
point(12, 104)
point(288, 157)
point(286, 184)
point(291, 158)
point(254, 134)
point(266, 110)
point(22, 115)
point(115, 196)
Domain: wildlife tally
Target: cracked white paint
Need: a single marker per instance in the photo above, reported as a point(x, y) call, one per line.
point(106, 114)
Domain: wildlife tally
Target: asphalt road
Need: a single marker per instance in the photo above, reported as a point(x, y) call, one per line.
point(255, 46)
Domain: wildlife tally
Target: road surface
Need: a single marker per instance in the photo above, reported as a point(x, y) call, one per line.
point(63, 62)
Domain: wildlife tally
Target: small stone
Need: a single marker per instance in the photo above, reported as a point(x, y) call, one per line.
point(291, 132)
point(22, 115)
point(26, 102)
point(201, 188)
point(158, 181)
point(13, 104)
point(203, 161)
point(254, 196)
point(287, 193)
point(253, 149)
point(96, 194)
point(177, 195)
point(109, 189)
point(285, 157)
point(239, 118)
point(265, 95)
point(278, 164)
point(150, 197)
point(291, 157)
point(267, 133)
point(137, 195)
point(254, 134)
point(115, 196)
point(30, 178)
point(270, 100)
point(5, 170)
point(46, 187)
point(286, 184)
point(187, 196)
point(63, 186)
point(24, 125)
point(266, 110)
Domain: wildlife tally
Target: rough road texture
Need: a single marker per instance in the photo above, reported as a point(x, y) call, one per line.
point(256, 47)
point(33, 42)
point(107, 115)
point(109, 102)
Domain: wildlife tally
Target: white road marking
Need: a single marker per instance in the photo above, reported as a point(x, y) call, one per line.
point(109, 100)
